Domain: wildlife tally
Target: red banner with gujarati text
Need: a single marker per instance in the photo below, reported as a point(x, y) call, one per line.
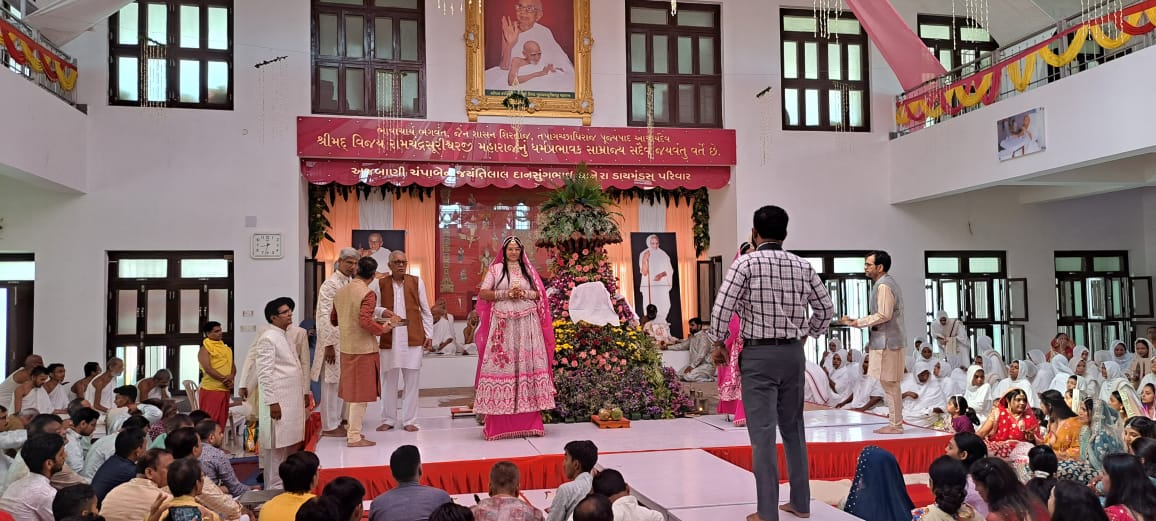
point(461, 142)
point(374, 173)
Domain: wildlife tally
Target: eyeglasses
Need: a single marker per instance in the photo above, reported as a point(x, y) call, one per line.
point(527, 8)
point(287, 312)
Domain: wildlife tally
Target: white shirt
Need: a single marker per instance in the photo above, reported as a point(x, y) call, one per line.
point(443, 330)
point(29, 499)
point(627, 509)
point(568, 495)
point(403, 356)
point(382, 258)
point(101, 450)
point(76, 449)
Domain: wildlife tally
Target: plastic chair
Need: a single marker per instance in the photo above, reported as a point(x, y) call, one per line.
point(191, 393)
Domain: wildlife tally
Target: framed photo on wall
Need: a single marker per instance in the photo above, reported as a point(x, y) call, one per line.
point(656, 280)
point(1021, 134)
point(537, 49)
point(378, 244)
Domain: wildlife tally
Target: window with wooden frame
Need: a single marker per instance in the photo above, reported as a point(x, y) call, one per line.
point(157, 304)
point(956, 41)
point(1096, 298)
point(369, 57)
point(825, 80)
point(172, 53)
point(974, 287)
point(674, 65)
point(847, 284)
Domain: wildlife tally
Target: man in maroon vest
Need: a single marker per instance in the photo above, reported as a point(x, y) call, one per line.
point(402, 350)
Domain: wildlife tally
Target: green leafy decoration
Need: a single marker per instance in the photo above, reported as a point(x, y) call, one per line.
point(323, 197)
point(700, 213)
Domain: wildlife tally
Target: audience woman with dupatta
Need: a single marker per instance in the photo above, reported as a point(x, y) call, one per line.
point(878, 492)
point(515, 338)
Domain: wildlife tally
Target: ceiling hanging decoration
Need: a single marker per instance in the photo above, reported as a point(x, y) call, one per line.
point(825, 11)
point(650, 120)
point(153, 92)
point(673, 7)
point(1105, 15)
point(977, 13)
point(452, 7)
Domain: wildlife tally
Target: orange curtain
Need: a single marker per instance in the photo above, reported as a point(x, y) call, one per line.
point(419, 220)
point(619, 254)
point(680, 221)
point(343, 219)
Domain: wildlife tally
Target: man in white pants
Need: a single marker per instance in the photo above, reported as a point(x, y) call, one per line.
point(284, 393)
point(402, 348)
point(326, 363)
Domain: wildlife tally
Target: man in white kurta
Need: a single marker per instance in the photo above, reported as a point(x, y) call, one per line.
point(282, 391)
point(657, 278)
point(326, 363)
point(402, 348)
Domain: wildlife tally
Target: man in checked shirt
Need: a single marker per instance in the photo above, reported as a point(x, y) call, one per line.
point(770, 290)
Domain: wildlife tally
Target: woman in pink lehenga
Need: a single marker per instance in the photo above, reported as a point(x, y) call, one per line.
point(515, 337)
point(730, 390)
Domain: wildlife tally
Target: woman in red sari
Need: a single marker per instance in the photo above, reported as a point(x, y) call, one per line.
point(730, 390)
point(1010, 424)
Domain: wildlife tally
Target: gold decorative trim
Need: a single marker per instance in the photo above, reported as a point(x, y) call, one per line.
point(479, 104)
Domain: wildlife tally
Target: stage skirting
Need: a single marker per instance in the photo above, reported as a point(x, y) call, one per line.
point(829, 461)
point(834, 461)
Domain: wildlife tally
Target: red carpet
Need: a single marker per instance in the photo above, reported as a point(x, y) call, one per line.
point(831, 461)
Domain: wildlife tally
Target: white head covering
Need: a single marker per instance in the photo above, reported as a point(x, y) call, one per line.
point(1075, 362)
point(1045, 373)
point(978, 396)
point(1060, 364)
point(1115, 374)
point(1102, 355)
point(590, 302)
point(1079, 352)
point(1123, 359)
point(1037, 357)
point(1027, 370)
point(993, 364)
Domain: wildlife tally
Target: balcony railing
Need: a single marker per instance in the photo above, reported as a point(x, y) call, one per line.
point(1023, 65)
point(40, 78)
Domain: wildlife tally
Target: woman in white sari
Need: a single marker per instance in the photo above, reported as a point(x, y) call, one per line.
point(1021, 373)
point(1042, 381)
point(1113, 375)
point(1120, 354)
point(1150, 377)
point(923, 399)
point(1141, 362)
point(978, 392)
point(1082, 369)
point(1063, 371)
point(844, 377)
point(834, 345)
point(816, 385)
point(993, 365)
point(941, 371)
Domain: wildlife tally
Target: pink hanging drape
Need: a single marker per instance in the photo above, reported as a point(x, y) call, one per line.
point(907, 55)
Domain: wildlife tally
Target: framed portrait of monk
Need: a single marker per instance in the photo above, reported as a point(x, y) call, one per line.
point(533, 52)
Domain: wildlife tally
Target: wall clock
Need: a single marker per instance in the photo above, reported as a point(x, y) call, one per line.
point(266, 246)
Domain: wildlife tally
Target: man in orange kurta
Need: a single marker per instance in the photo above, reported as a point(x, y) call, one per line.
point(353, 308)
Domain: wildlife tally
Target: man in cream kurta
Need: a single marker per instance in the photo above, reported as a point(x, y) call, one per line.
point(326, 363)
point(402, 350)
point(281, 388)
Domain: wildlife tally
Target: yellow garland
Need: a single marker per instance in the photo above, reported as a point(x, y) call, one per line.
point(935, 110)
point(66, 76)
point(1022, 77)
point(901, 118)
point(1108, 42)
point(1070, 53)
point(969, 100)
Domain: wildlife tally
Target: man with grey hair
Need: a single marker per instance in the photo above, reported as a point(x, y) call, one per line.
point(326, 363)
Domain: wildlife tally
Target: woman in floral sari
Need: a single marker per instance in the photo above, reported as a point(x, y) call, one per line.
point(730, 390)
point(1098, 438)
point(1010, 425)
point(515, 337)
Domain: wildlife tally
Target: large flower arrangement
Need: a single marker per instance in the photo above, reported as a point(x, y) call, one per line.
point(598, 367)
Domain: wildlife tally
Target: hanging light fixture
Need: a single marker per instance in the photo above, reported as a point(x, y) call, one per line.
point(824, 11)
point(673, 7)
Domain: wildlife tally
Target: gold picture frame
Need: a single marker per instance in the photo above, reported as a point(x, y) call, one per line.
point(548, 103)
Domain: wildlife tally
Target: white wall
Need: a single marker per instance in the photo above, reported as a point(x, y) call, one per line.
point(1090, 117)
point(180, 179)
point(43, 140)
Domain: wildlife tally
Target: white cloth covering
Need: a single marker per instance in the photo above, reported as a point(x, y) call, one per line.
point(590, 302)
